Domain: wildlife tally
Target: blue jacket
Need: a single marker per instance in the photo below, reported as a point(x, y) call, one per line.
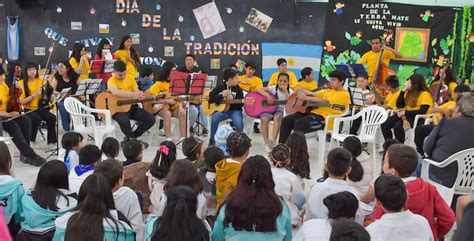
point(11, 193)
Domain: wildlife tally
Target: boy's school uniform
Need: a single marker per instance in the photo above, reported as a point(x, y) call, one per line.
point(126, 202)
point(76, 178)
point(314, 230)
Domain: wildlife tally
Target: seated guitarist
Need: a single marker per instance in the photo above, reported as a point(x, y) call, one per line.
point(19, 129)
point(313, 121)
point(170, 107)
point(227, 90)
point(123, 85)
point(445, 110)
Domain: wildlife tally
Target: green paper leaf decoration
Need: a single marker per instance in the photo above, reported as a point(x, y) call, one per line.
point(434, 41)
point(348, 36)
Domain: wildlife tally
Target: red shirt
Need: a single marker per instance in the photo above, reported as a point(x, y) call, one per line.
point(104, 77)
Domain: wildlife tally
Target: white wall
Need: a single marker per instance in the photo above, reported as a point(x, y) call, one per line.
point(453, 3)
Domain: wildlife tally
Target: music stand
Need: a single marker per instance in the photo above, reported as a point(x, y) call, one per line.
point(357, 97)
point(60, 97)
point(88, 87)
point(352, 70)
point(102, 66)
point(184, 84)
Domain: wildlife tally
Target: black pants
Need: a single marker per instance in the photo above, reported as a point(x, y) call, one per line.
point(300, 122)
point(146, 121)
point(355, 124)
point(20, 131)
point(43, 115)
point(421, 132)
point(396, 123)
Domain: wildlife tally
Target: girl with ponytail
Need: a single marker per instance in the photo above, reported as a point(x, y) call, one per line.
point(253, 211)
point(159, 168)
point(72, 144)
point(179, 221)
point(361, 172)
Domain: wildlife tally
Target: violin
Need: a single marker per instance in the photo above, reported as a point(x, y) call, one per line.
point(14, 103)
point(46, 92)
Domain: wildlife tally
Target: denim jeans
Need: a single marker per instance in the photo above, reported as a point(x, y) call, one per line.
point(236, 117)
point(194, 110)
point(65, 117)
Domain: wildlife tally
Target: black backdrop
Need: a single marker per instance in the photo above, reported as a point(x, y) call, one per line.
point(292, 23)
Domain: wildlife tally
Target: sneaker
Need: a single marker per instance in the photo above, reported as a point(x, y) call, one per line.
point(271, 143)
point(23, 159)
point(161, 132)
point(256, 130)
point(35, 160)
point(268, 149)
point(169, 139)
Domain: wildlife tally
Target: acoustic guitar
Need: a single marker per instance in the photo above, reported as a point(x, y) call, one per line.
point(114, 104)
point(295, 105)
point(260, 104)
point(211, 108)
point(153, 107)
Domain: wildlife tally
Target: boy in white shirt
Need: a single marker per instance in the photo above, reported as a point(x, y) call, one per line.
point(397, 223)
point(126, 200)
point(88, 158)
point(338, 166)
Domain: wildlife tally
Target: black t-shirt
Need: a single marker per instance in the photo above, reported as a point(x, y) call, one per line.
point(62, 84)
point(193, 70)
point(216, 97)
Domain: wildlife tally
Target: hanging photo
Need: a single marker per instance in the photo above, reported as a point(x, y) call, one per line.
point(135, 38)
point(259, 20)
point(76, 25)
point(209, 20)
point(104, 28)
point(40, 51)
point(169, 51)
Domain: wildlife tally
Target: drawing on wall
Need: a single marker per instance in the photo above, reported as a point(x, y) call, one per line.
point(76, 25)
point(169, 51)
point(135, 38)
point(40, 51)
point(240, 65)
point(259, 20)
point(104, 28)
point(412, 43)
point(215, 63)
point(209, 20)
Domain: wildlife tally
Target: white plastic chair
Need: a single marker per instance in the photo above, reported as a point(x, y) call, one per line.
point(411, 132)
point(464, 178)
point(84, 122)
point(372, 117)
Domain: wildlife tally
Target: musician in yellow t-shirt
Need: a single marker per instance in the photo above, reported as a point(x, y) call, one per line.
point(169, 107)
point(123, 85)
point(371, 58)
point(249, 82)
point(30, 98)
point(79, 61)
point(128, 55)
point(307, 80)
point(19, 129)
point(315, 120)
point(444, 111)
point(283, 68)
point(448, 80)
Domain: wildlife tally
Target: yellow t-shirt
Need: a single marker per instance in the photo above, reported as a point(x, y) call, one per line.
point(128, 84)
point(33, 86)
point(274, 79)
point(371, 58)
point(85, 68)
point(250, 85)
point(391, 99)
point(311, 85)
point(334, 97)
point(132, 70)
point(451, 87)
point(160, 87)
point(424, 98)
point(448, 105)
point(4, 96)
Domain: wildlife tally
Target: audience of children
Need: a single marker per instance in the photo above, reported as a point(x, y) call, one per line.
point(397, 223)
point(159, 168)
point(110, 148)
point(264, 216)
point(50, 198)
point(340, 205)
point(125, 199)
point(134, 171)
point(287, 184)
point(72, 143)
point(95, 216)
point(89, 156)
point(227, 170)
point(180, 209)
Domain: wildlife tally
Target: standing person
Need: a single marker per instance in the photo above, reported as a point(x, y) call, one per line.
point(32, 94)
point(65, 78)
point(315, 120)
point(169, 107)
point(282, 91)
point(79, 61)
point(283, 68)
point(19, 129)
point(123, 85)
point(127, 54)
point(229, 89)
point(95, 217)
point(103, 52)
point(49, 199)
point(179, 221)
point(265, 217)
point(416, 98)
point(195, 109)
point(371, 58)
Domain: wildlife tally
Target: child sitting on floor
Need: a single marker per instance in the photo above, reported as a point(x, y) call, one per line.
point(89, 156)
point(72, 143)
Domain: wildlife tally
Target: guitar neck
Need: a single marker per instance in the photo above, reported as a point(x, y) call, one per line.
point(234, 101)
point(136, 101)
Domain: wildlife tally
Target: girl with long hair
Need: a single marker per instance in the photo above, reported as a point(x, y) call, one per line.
point(179, 221)
point(299, 155)
point(72, 143)
point(253, 211)
point(129, 56)
point(95, 217)
point(448, 79)
point(49, 199)
point(103, 52)
point(361, 168)
point(159, 168)
point(79, 61)
point(65, 78)
point(414, 99)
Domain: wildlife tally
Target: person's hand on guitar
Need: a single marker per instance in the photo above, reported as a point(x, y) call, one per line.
point(270, 99)
point(170, 101)
point(446, 112)
point(139, 95)
point(227, 94)
point(302, 95)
